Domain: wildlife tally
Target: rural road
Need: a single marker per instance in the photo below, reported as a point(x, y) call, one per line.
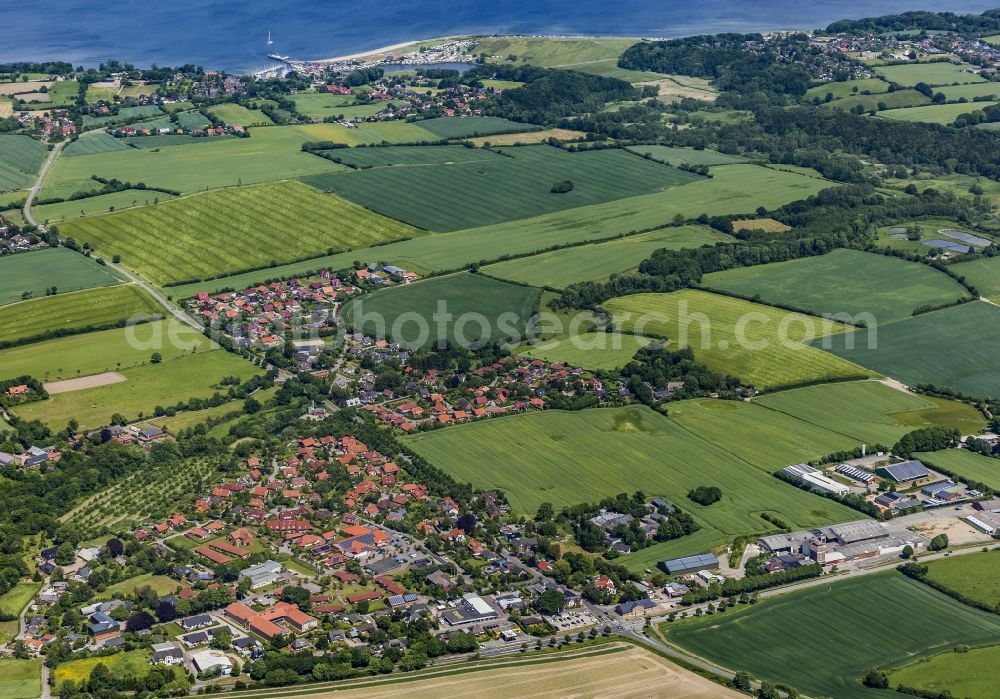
point(35, 188)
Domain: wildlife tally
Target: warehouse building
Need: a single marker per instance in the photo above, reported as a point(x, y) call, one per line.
point(904, 472)
point(689, 564)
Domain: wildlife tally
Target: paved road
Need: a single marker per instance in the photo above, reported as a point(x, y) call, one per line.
point(35, 188)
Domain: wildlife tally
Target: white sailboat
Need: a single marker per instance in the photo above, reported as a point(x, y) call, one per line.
point(269, 42)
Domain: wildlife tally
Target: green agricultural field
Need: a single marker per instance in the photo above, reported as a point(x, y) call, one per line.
point(20, 679)
point(382, 132)
point(593, 350)
point(560, 268)
point(319, 105)
point(956, 347)
point(973, 575)
point(145, 388)
point(681, 155)
point(450, 197)
point(238, 114)
point(970, 92)
point(12, 603)
point(962, 462)
point(843, 282)
point(938, 73)
point(271, 153)
point(870, 411)
point(401, 156)
point(172, 139)
point(781, 638)
point(160, 584)
point(473, 300)
point(847, 88)
point(468, 127)
point(567, 458)
point(934, 113)
point(192, 120)
point(125, 114)
point(890, 100)
point(134, 663)
point(35, 271)
point(732, 189)
point(767, 439)
point(75, 311)
point(96, 142)
point(984, 274)
point(971, 674)
point(92, 206)
point(552, 52)
point(763, 346)
point(231, 230)
point(20, 158)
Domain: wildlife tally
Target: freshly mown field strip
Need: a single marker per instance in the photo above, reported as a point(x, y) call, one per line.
point(955, 347)
point(75, 310)
point(768, 439)
point(482, 308)
point(974, 576)
point(133, 663)
point(271, 153)
point(870, 411)
point(780, 639)
point(20, 158)
point(145, 388)
point(938, 73)
point(92, 206)
point(982, 273)
point(593, 350)
point(843, 281)
point(412, 155)
point(962, 462)
point(468, 127)
point(320, 104)
point(763, 346)
point(450, 197)
point(731, 189)
point(969, 674)
point(124, 114)
point(91, 143)
point(20, 679)
point(108, 350)
point(230, 230)
point(238, 114)
point(38, 270)
point(680, 155)
point(934, 113)
point(569, 458)
point(560, 268)
point(599, 671)
point(847, 88)
point(890, 100)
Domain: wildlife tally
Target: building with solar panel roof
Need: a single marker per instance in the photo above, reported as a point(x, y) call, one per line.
point(904, 472)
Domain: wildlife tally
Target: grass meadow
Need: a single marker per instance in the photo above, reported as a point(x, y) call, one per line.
point(886, 287)
point(319, 105)
point(962, 462)
point(94, 143)
point(35, 271)
point(567, 458)
point(75, 310)
point(937, 73)
point(971, 674)
point(13, 603)
point(900, 99)
point(984, 274)
point(124, 114)
point(464, 293)
point(847, 88)
point(93, 206)
point(238, 114)
point(600, 351)
point(934, 113)
point(471, 127)
point(161, 584)
point(680, 155)
point(451, 197)
point(973, 575)
point(956, 347)
point(823, 640)
point(412, 156)
point(134, 663)
point(20, 158)
point(560, 268)
point(736, 337)
point(231, 230)
point(20, 679)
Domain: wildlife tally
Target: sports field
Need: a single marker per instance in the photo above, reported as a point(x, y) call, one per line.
point(75, 311)
point(568, 458)
point(231, 230)
point(938, 73)
point(971, 674)
point(843, 281)
point(238, 114)
point(871, 412)
point(20, 158)
point(450, 197)
point(823, 640)
point(934, 113)
point(480, 307)
point(594, 350)
point(763, 346)
point(271, 153)
point(984, 274)
point(560, 268)
point(956, 347)
point(962, 462)
point(680, 155)
point(20, 679)
point(40, 269)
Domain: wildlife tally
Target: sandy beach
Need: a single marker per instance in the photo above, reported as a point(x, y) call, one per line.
point(383, 50)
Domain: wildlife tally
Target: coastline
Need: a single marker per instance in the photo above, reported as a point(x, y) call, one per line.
point(385, 49)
